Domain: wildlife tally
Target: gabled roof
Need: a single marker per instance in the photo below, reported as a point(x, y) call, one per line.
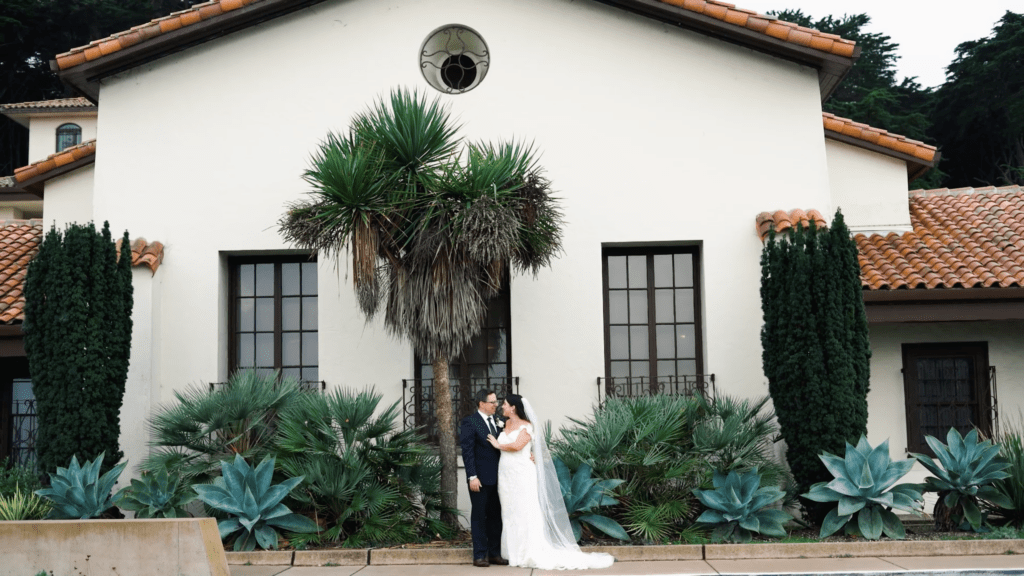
point(32, 177)
point(19, 244)
point(918, 155)
point(84, 66)
point(963, 238)
point(60, 104)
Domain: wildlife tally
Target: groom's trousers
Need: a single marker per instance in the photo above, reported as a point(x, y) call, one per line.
point(485, 522)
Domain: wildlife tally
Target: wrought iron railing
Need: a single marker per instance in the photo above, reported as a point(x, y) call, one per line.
point(635, 386)
point(23, 433)
point(418, 400)
point(993, 401)
point(305, 385)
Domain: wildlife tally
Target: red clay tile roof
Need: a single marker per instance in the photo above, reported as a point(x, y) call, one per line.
point(768, 25)
point(879, 137)
point(963, 238)
point(19, 243)
point(782, 221)
point(46, 105)
point(7, 182)
point(748, 19)
point(54, 161)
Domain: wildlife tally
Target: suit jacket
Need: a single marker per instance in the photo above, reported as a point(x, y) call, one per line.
point(480, 458)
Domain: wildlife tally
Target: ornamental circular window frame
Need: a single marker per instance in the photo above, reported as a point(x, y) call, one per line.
point(454, 59)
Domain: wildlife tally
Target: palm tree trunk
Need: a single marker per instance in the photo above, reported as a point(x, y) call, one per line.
point(446, 437)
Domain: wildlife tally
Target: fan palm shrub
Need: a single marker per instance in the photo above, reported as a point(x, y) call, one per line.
point(432, 225)
point(192, 436)
point(366, 481)
point(1011, 449)
point(963, 478)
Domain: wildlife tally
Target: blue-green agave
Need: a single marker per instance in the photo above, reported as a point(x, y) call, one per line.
point(865, 485)
point(254, 505)
point(582, 494)
point(737, 507)
point(964, 475)
point(157, 496)
point(80, 492)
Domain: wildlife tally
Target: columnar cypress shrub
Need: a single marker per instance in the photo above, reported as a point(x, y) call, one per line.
point(815, 349)
point(78, 328)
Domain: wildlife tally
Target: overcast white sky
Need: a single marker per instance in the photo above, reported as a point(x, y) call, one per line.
point(927, 31)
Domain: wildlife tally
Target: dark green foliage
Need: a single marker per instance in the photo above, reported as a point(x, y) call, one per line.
point(738, 507)
point(78, 330)
point(367, 482)
point(979, 111)
point(13, 476)
point(663, 447)
point(1011, 449)
point(864, 485)
point(582, 495)
point(815, 348)
point(963, 479)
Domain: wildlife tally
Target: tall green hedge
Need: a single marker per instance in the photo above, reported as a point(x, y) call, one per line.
point(815, 348)
point(78, 331)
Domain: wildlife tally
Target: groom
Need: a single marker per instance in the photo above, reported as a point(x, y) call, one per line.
point(481, 460)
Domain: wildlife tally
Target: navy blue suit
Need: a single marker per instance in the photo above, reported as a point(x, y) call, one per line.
point(481, 460)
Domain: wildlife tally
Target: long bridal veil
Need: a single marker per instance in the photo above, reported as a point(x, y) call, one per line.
point(557, 529)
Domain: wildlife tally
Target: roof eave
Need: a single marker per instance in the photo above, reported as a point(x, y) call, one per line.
point(36, 184)
point(85, 78)
point(831, 68)
point(916, 167)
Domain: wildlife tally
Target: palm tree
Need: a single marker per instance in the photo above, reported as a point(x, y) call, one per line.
point(432, 225)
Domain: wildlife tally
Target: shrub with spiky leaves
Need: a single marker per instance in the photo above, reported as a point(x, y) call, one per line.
point(738, 507)
point(962, 478)
point(157, 496)
point(368, 481)
point(1011, 448)
point(254, 505)
point(582, 495)
point(865, 486)
point(80, 492)
point(22, 505)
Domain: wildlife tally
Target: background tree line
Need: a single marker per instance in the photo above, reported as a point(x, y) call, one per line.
point(976, 117)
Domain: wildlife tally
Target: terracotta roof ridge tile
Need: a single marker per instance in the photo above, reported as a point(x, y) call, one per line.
point(44, 104)
point(878, 136)
point(148, 254)
point(782, 220)
point(53, 161)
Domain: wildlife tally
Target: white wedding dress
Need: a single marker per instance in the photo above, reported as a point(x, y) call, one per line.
point(529, 536)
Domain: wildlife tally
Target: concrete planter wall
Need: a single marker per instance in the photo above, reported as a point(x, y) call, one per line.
point(154, 547)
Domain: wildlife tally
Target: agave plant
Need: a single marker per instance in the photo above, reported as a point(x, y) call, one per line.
point(582, 494)
point(80, 491)
point(157, 496)
point(737, 507)
point(254, 505)
point(963, 477)
point(865, 485)
point(20, 505)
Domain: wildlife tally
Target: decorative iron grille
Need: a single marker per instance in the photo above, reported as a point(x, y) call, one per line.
point(23, 433)
point(310, 386)
point(454, 59)
point(418, 400)
point(994, 401)
point(636, 386)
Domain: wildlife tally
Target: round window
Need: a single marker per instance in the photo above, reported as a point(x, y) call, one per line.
point(454, 59)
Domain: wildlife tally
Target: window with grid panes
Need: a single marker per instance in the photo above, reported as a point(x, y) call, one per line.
point(652, 312)
point(68, 135)
point(274, 316)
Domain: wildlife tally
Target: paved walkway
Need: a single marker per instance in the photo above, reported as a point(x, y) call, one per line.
point(932, 566)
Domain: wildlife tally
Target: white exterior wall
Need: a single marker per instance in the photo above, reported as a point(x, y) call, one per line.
point(648, 132)
point(141, 391)
point(42, 133)
point(69, 199)
point(871, 188)
point(887, 417)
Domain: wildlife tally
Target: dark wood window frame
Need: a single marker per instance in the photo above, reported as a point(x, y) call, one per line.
point(980, 405)
point(234, 265)
point(650, 252)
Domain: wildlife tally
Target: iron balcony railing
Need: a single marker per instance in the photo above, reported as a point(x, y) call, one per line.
point(305, 385)
point(23, 426)
point(636, 386)
point(418, 400)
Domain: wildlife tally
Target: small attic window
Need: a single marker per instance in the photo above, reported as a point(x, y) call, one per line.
point(454, 59)
point(68, 135)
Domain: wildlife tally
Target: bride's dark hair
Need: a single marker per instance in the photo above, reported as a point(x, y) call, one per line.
point(516, 401)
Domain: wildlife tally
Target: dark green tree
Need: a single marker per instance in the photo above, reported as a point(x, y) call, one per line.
point(815, 348)
point(979, 111)
point(78, 328)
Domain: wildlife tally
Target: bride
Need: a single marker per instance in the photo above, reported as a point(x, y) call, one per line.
point(536, 533)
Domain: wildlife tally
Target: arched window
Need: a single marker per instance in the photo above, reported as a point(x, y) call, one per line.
point(68, 135)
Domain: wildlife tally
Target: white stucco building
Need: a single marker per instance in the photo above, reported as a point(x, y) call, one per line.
point(666, 127)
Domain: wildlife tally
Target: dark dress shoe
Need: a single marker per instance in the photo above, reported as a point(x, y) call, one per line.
point(498, 560)
point(481, 563)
